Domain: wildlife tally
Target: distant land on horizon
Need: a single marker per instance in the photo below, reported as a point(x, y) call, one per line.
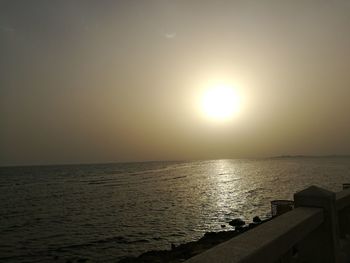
point(311, 156)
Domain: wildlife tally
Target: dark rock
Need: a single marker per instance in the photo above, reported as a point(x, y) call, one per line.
point(182, 252)
point(252, 225)
point(223, 226)
point(239, 228)
point(256, 219)
point(237, 222)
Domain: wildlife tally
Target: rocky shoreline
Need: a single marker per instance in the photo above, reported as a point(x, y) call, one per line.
point(185, 251)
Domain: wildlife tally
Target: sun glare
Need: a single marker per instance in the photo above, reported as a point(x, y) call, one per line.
point(220, 102)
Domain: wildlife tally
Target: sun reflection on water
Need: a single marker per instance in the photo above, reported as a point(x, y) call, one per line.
point(226, 184)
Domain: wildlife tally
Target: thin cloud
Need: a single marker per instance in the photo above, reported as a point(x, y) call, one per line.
point(170, 35)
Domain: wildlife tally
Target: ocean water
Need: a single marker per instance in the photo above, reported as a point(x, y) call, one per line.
point(107, 211)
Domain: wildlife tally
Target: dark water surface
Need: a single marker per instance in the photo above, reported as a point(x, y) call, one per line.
point(107, 211)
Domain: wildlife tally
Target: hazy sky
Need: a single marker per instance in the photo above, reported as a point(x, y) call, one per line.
point(101, 81)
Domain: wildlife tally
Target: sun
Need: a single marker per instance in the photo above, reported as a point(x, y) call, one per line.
point(220, 102)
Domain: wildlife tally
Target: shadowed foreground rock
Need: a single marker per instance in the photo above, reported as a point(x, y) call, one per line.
point(185, 251)
point(237, 222)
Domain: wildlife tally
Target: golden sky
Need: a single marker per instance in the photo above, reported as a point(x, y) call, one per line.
point(103, 81)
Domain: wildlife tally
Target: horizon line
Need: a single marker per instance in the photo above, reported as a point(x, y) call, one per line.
point(283, 156)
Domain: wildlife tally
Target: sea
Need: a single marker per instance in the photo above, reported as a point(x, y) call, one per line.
point(104, 212)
